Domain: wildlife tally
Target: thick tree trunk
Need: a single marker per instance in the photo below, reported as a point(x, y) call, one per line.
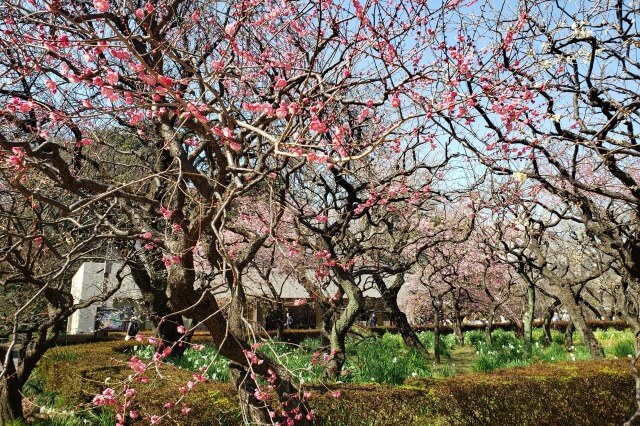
point(342, 325)
point(169, 336)
point(10, 395)
point(255, 409)
point(436, 335)
point(527, 320)
point(390, 298)
point(631, 318)
point(280, 322)
point(328, 318)
point(457, 324)
point(546, 328)
point(203, 307)
point(10, 402)
point(488, 330)
point(569, 302)
point(166, 324)
point(334, 365)
point(546, 325)
point(635, 417)
point(568, 336)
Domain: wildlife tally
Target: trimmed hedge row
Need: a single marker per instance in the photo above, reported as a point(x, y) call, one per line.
point(78, 373)
point(584, 393)
point(298, 335)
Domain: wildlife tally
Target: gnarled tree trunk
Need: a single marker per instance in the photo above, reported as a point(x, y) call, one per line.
point(568, 336)
point(577, 318)
point(165, 322)
point(341, 326)
point(546, 325)
point(436, 328)
point(255, 408)
point(457, 324)
point(10, 396)
point(390, 298)
point(527, 320)
point(202, 307)
point(488, 330)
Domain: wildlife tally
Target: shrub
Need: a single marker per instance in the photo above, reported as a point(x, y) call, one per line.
point(485, 363)
point(557, 337)
point(506, 350)
point(77, 382)
point(447, 342)
point(475, 337)
point(385, 360)
point(624, 348)
point(573, 394)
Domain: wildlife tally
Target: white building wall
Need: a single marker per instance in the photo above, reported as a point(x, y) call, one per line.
point(88, 282)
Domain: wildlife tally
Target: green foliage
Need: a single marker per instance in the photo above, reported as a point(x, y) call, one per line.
point(491, 398)
point(475, 337)
point(35, 385)
point(557, 337)
point(304, 361)
point(617, 343)
point(485, 363)
point(557, 353)
point(384, 360)
point(97, 418)
point(613, 335)
point(505, 350)
point(447, 342)
point(624, 348)
point(310, 344)
point(36, 389)
point(206, 361)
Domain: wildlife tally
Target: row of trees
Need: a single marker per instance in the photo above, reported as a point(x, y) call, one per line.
point(468, 152)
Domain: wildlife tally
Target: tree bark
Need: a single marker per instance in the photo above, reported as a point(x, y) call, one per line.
point(166, 324)
point(341, 326)
point(568, 336)
point(255, 409)
point(546, 325)
point(527, 320)
point(436, 334)
point(328, 318)
point(10, 395)
point(635, 417)
point(202, 307)
point(569, 302)
point(390, 298)
point(489, 327)
point(457, 323)
point(280, 321)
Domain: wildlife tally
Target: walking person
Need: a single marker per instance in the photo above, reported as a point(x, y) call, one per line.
point(132, 329)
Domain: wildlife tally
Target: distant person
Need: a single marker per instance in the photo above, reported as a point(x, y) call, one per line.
point(132, 329)
point(288, 321)
point(372, 320)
